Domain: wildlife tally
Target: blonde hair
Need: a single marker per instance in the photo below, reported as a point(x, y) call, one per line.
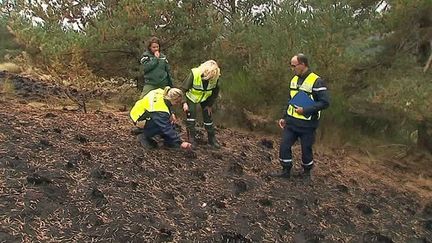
point(209, 70)
point(172, 94)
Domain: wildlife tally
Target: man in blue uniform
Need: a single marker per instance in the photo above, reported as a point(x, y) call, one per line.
point(301, 122)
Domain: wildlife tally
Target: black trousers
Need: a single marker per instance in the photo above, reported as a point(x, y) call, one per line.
point(207, 118)
point(289, 137)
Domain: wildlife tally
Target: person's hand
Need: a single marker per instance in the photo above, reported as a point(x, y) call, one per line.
point(209, 110)
point(185, 107)
point(157, 54)
point(282, 123)
point(299, 110)
point(173, 119)
point(186, 145)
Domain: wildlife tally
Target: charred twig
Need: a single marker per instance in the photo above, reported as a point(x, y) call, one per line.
point(80, 102)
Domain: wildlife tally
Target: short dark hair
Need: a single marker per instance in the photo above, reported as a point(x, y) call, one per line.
point(301, 58)
point(152, 40)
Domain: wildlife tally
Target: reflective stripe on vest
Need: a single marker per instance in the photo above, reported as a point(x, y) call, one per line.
point(151, 102)
point(197, 93)
point(306, 86)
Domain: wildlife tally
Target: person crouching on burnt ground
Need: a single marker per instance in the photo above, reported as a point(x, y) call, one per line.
point(153, 113)
point(201, 87)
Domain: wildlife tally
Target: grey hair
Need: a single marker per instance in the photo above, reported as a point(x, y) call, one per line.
point(301, 58)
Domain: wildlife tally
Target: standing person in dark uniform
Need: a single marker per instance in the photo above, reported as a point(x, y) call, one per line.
point(156, 68)
point(302, 122)
point(202, 87)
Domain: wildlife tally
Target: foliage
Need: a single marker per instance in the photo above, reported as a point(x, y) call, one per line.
point(8, 47)
point(262, 52)
point(391, 84)
point(368, 51)
point(7, 88)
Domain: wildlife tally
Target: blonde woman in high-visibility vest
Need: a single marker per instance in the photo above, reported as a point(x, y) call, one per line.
point(300, 122)
point(202, 88)
point(153, 114)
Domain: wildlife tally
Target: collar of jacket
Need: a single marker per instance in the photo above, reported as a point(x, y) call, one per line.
point(168, 103)
point(303, 76)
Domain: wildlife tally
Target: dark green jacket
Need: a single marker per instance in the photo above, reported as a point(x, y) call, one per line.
point(156, 70)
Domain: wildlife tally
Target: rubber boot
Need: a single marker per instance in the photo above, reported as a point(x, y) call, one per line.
point(136, 131)
point(285, 173)
point(191, 131)
point(147, 143)
point(307, 175)
point(212, 141)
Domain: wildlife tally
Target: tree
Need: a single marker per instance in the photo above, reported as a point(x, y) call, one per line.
point(8, 46)
point(243, 12)
point(396, 82)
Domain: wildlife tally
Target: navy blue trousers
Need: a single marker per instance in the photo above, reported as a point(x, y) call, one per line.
point(289, 137)
point(160, 124)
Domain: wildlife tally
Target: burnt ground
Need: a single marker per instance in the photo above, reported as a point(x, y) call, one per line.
point(70, 176)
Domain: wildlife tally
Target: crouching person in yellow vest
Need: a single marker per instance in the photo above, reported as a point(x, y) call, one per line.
point(153, 114)
point(201, 87)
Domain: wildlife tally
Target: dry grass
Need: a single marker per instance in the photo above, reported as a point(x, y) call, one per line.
point(10, 67)
point(2, 137)
point(7, 87)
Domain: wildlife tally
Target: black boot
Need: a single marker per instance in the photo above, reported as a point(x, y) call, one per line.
point(146, 142)
point(307, 175)
point(285, 173)
point(212, 140)
point(192, 137)
point(191, 132)
point(137, 130)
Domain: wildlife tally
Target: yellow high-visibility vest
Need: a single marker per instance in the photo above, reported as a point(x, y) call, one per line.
point(151, 102)
point(306, 86)
point(197, 93)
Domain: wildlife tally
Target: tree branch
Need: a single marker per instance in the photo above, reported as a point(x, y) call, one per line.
point(429, 61)
point(80, 102)
point(105, 51)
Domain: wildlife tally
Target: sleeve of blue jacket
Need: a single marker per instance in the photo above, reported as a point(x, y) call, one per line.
point(321, 98)
point(285, 108)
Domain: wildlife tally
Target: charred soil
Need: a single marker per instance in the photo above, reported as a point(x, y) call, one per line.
point(70, 176)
